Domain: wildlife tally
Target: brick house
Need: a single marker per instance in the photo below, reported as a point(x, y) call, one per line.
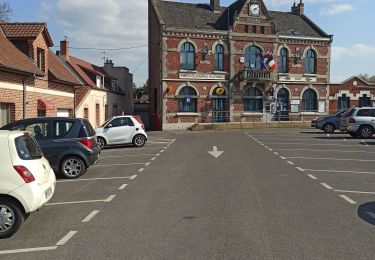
point(100, 97)
point(209, 63)
point(351, 92)
point(33, 81)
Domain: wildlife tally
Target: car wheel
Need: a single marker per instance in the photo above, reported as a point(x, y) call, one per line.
point(366, 131)
point(72, 167)
point(139, 140)
point(329, 128)
point(11, 218)
point(354, 135)
point(101, 143)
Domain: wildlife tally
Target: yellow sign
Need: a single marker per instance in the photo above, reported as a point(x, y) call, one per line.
point(219, 91)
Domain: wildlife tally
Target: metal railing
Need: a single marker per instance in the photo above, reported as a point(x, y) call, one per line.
point(263, 75)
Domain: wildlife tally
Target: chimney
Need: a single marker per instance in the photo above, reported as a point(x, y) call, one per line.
point(299, 9)
point(64, 49)
point(215, 5)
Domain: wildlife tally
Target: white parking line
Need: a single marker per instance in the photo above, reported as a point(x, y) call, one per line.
point(352, 191)
point(330, 159)
point(133, 177)
point(66, 238)
point(348, 199)
point(123, 186)
point(326, 186)
point(73, 202)
point(312, 176)
point(116, 164)
point(110, 198)
point(291, 163)
point(148, 163)
point(96, 179)
point(300, 169)
point(336, 151)
point(338, 171)
point(28, 250)
point(276, 153)
point(153, 158)
point(141, 170)
point(282, 157)
point(157, 142)
point(126, 155)
point(90, 216)
point(340, 145)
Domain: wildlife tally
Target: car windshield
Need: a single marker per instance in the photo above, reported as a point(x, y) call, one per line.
point(340, 113)
point(106, 122)
point(28, 148)
point(349, 112)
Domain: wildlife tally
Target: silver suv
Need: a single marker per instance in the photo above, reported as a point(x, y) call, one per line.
point(360, 122)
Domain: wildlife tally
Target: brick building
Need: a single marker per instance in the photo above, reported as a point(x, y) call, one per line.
point(33, 81)
point(209, 63)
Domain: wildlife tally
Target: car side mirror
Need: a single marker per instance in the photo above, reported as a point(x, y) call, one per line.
point(109, 126)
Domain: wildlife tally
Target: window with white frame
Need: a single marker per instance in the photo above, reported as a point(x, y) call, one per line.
point(99, 81)
point(187, 100)
point(4, 114)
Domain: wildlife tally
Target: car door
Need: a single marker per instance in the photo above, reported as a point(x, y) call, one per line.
point(119, 130)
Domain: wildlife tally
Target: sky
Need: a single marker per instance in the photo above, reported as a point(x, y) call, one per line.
point(120, 27)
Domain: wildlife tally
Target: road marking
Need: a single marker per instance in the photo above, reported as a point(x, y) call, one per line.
point(348, 199)
point(336, 171)
point(312, 176)
point(282, 157)
point(262, 144)
point(153, 158)
point(148, 163)
point(123, 186)
point(90, 216)
point(96, 179)
point(66, 238)
point(162, 151)
point(358, 192)
point(331, 159)
point(266, 147)
point(291, 163)
point(27, 250)
point(127, 155)
point(133, 177)
point(326, 186)
point(73, 202)
point(322, 144)
point(270, 150)
point(215, 153)
point(157, 142)
point(300, 169)
point(116, 164)
point(110, 198)
point(167, 140)
point(141, 170)
point(158, 154)
point(310, 150)
point(276, 153)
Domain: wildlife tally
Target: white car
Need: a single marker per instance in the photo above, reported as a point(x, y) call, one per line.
point(27, 180)
point(120, 130)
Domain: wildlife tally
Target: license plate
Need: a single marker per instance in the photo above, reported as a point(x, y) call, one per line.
point(48, 193)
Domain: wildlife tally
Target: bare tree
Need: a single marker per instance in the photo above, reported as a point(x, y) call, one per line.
point(5, 11)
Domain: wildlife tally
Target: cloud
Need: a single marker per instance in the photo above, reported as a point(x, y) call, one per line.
point(278, 3)
point(337, 9)
point(108, 24)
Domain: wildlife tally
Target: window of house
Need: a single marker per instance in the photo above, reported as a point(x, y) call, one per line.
point(283, 60)
point(343, 102)
point(187, 100)
point(310, 62)
point(364, 101)
point(114, 85)
point(252, 58)
point(219, 57)
point(310, 101)
point(253, 100)
point(4, 114)
point(40, 59)
point(99, 81)
point(254, 29)
point(246, 28)
point(262, 29)
point(187, 56)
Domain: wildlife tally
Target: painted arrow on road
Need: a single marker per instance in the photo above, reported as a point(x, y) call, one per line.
point(215, 153)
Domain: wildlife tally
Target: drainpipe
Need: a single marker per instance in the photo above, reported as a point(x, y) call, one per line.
point(24, 95)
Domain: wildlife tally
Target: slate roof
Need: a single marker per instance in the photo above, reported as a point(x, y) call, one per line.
point(60, 71)
point(26, 31)
point(12, 58)
point(200, 16)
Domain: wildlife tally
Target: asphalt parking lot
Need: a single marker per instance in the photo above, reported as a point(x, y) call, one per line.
point(340, 164)
point(77, 202)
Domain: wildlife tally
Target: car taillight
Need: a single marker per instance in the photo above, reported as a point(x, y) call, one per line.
point(25, 174)
point(352, 120)
point(89, 143)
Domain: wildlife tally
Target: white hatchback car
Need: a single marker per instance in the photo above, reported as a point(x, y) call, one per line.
point(27, 181)
point(121, 130)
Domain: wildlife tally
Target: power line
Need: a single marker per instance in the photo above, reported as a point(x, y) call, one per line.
point(139, 65)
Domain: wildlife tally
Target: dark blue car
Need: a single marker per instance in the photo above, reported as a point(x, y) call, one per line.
point(69, 144)
point(329, 123)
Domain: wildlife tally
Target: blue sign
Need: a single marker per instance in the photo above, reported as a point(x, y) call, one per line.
point(188, 99)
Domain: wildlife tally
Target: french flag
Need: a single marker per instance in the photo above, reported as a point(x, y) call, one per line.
point(272, 64)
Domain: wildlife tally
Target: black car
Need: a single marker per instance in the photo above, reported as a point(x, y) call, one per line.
point(69, 144)
point(329, 123)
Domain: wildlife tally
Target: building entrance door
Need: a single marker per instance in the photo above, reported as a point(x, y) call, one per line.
point(219, 112)
point(283, 104)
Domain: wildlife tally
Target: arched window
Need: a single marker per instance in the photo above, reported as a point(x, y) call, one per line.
point(187, 56)
point(187, 100)
point(252, 58)
point(253, 100)
point(343, 102)
point(283, 60)
point(219, 57)
point(310, 101)
point(310, 62)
